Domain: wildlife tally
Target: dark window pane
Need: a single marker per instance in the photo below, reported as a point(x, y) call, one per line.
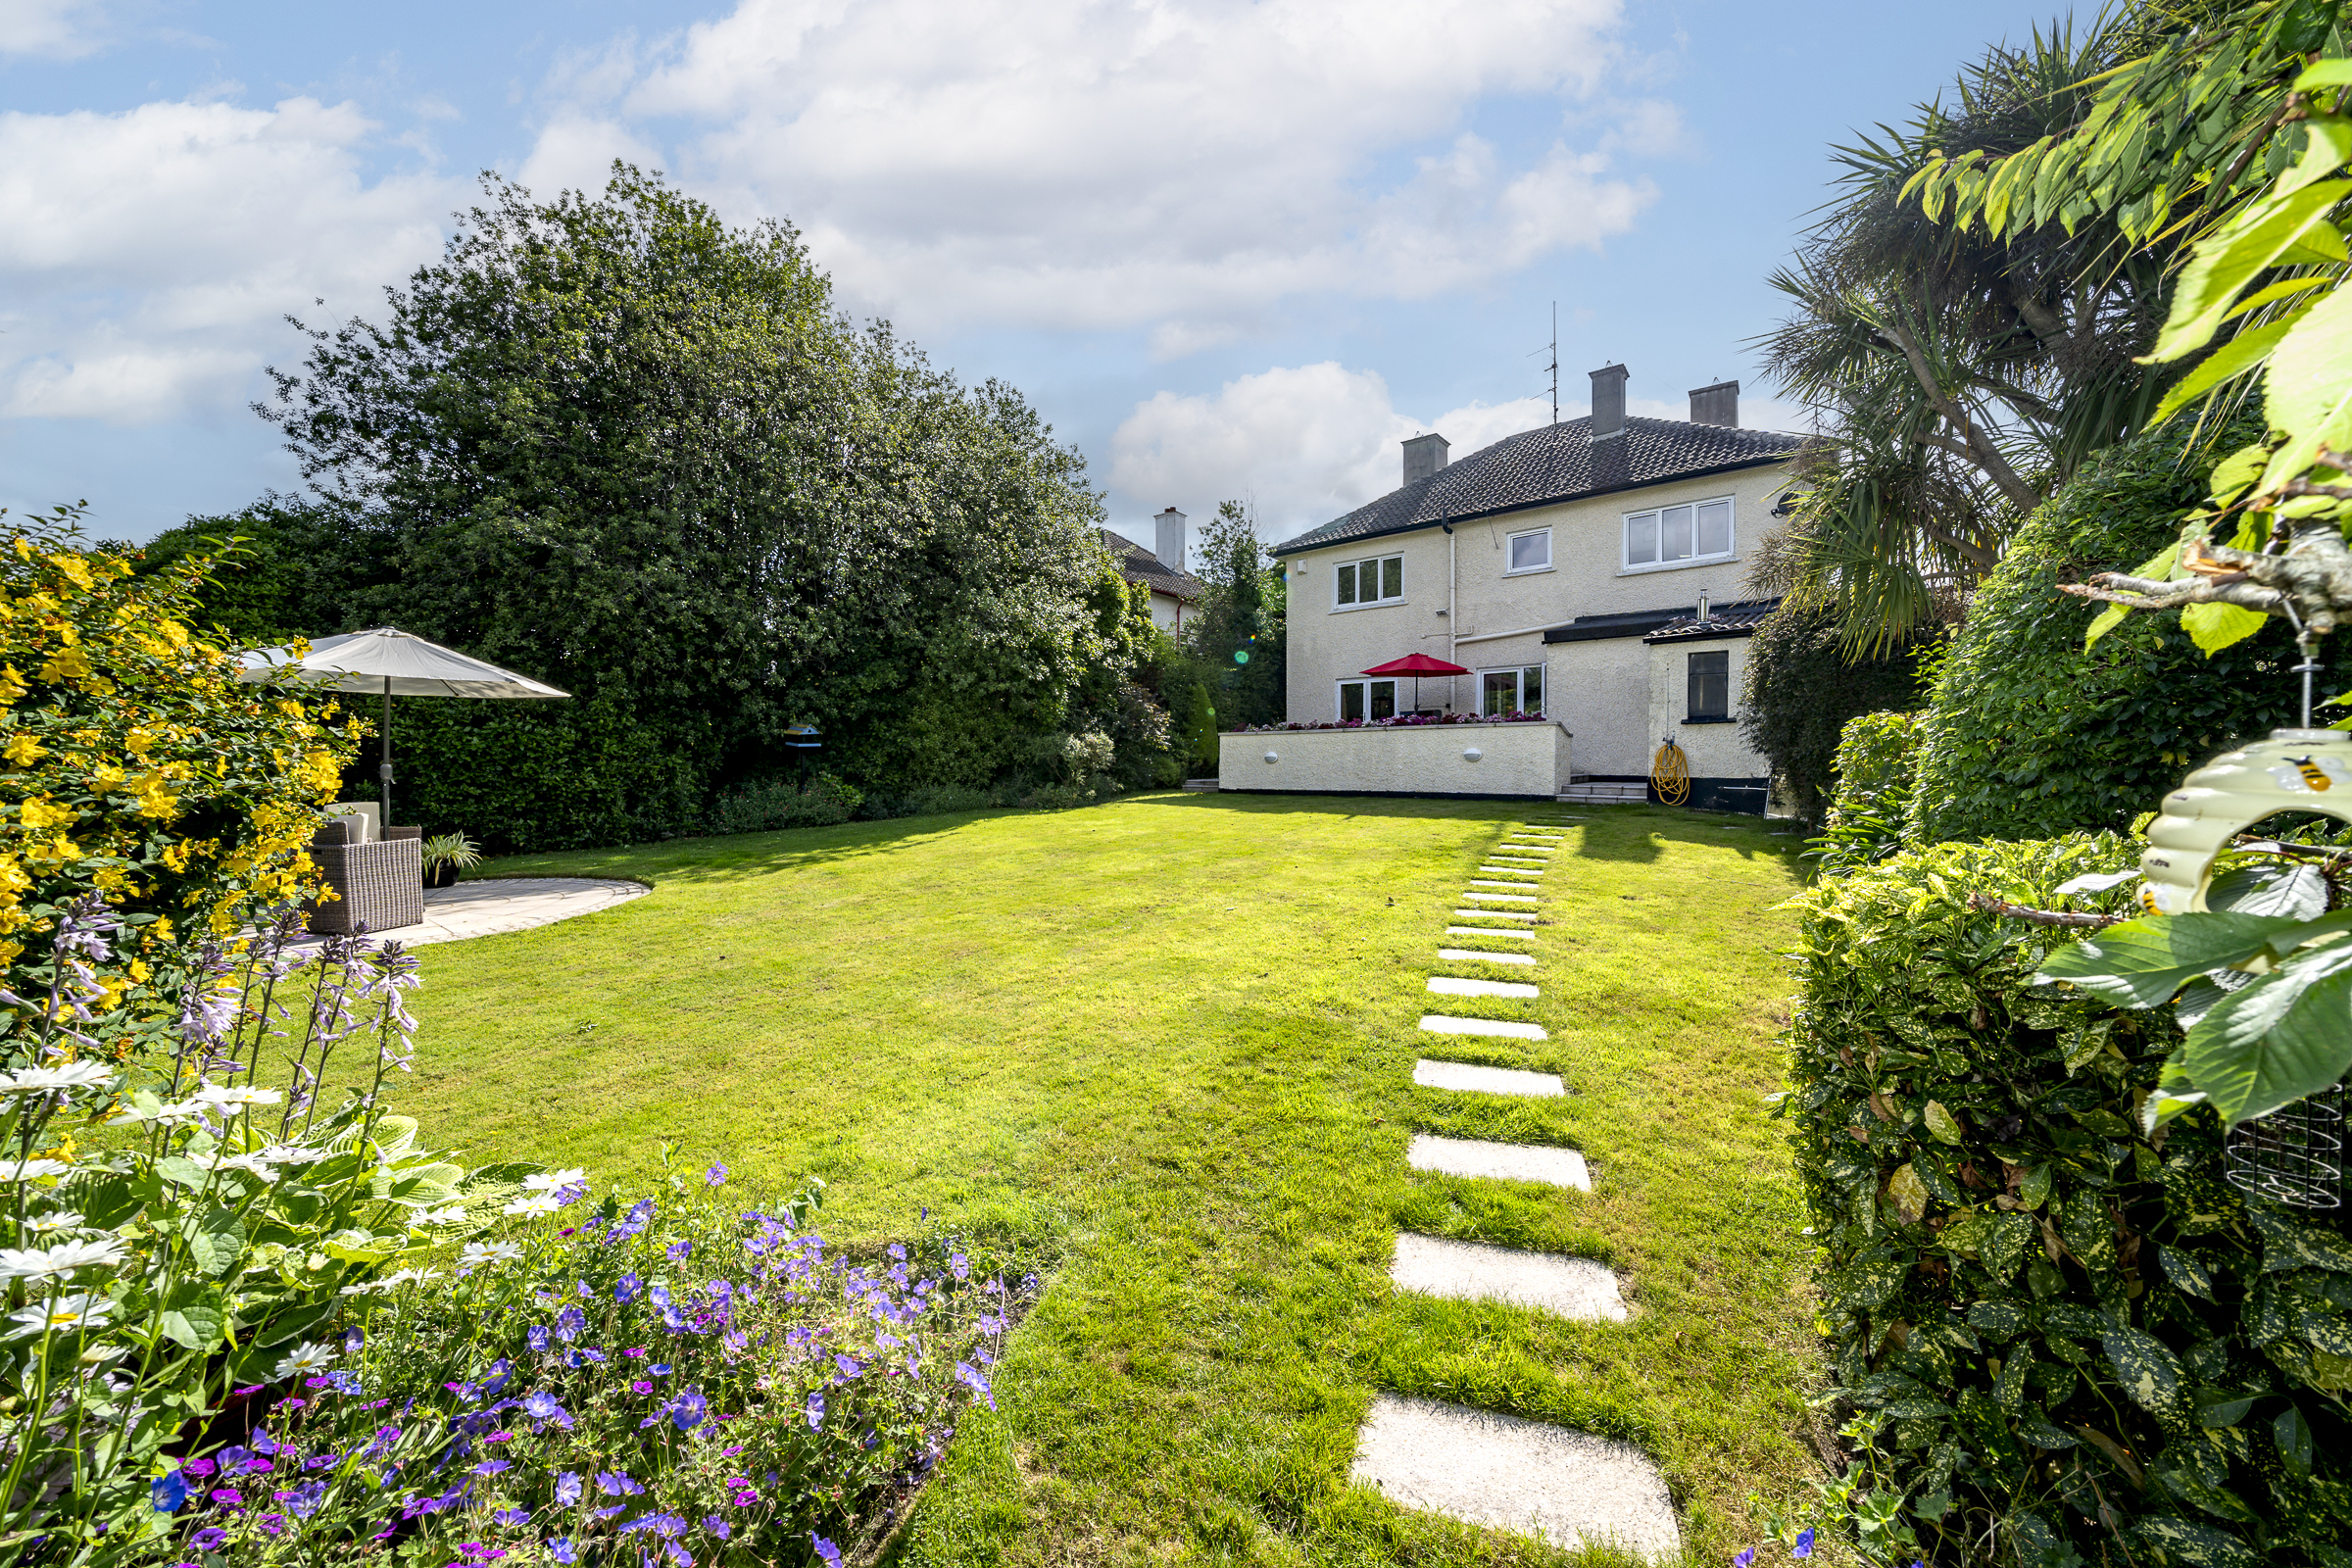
point(1384, 699)
point(1392, 577)
point(1711, 685)
point(1641, 539)
point(1715, 529)
point(1499, 692)
point(1531, 689)
point(1347, 583)
point(1351, 699)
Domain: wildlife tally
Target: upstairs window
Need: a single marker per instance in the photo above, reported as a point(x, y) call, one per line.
point(1529, 552)
point(1711, 684)
point(1378, 582)
point(1671, 535)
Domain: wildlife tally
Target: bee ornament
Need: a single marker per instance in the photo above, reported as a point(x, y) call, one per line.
point(2292, 770)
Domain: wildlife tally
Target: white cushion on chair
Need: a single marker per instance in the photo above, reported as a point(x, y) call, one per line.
point(362, 816)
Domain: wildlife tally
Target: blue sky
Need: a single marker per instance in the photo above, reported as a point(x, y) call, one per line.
point(1230, 249)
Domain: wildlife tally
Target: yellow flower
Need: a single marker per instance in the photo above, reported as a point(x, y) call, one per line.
point(74, 570)
point(69, 663)
point(39, 811)
point(176, 856)
point(138, 743)
point(139, 970)
point(155, 804)
point(24, 749)
point(104, 776)
point(12, 684)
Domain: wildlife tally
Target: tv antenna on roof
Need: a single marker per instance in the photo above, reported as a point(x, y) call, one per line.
point(1555, 361)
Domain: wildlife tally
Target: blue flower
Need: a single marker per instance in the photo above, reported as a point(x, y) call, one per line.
point(571, 1323)
point(512, 1516)
point(659, 1369)
point(722, 1530)
point(679, 1252)
point(658, 1295)
point(1805, 1544)
point(560, 1548)
point(961, 1265)
point(541, 1405)
point(979, 1385)
point(626, 1291)
point(567, 1487)
point(847, 1367)
point(353, 1339)
point(169, 1492)
point(616, 1484)
point(825, 1549)
point(501, 1371)
point(816, 1410)
point(897, 1252)
point(689, 1409)
point(304, 1501)
point(1745, 1559)
point(717, 1174)
point(537, 1337)
point(491, 1467)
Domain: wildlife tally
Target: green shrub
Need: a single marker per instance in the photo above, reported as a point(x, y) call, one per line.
point(1801, 689)
point(771, 803)
point(2028, 734)
point(2064, 1342)
point(1875, 774)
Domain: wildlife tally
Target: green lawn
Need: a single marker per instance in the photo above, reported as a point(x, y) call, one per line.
point(1171, 1042)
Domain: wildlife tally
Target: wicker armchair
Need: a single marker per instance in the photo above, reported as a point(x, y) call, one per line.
point(381, 884)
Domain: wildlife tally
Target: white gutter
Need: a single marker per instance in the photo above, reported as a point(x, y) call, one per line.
point(1490, 636)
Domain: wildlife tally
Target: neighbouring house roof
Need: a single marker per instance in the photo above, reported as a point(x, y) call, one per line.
point(1723, 620)
point(1551, 463)
point(1139, 565)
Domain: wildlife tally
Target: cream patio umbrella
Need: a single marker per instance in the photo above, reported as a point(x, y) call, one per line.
point(396, 663)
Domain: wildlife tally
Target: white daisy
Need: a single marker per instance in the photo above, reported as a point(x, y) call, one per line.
point(33, 1263)
point(547, 1181)
point(534, 1204)
point(27, 1170)
point(446, 1214)
point(56, 1222)
point(307, 1356)
point(235, 1095)
point(66, 1314)
point(50, 1080)
point(295, 1154)
point(479, 1255)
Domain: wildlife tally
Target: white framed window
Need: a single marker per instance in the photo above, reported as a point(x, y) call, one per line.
point(1362, 700)
point(1516, 690)
point(1378, 582)
point(1710, 683)
point(1527, 552)
point(1674, 536)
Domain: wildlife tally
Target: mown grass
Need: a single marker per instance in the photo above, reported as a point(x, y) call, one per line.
point(1169, 1041)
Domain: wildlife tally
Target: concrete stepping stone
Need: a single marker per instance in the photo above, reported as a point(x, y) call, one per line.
point(1519, 860)
point(1473, 1271)
point(1531, 850)
point(1472, 956)
point(1517, 898)
point(1493, 914)
point(1499, 897)
point(1487, 930)
point(1509, 1162)
point(1438, 1023)
point(1474, 1080)
point(1571, 1489)
point(1446, 985)
point(1513, 870)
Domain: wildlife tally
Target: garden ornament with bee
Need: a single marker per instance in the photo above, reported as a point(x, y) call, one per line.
point(2293, 770)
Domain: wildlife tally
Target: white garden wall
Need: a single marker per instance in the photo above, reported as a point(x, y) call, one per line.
point(1521, 759)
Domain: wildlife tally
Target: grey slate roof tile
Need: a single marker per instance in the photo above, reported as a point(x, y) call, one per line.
point(1723, 620)
point(1550, 464)
point(1139, 565)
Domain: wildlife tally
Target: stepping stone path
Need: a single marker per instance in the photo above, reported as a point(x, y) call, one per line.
point(1509, 1162)
point(1472, 1271)
point(1569, 1487)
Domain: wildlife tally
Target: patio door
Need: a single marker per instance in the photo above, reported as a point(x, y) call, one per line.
point(1361, 699)
point(1517, 689)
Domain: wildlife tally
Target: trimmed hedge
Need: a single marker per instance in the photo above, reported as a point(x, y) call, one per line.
point(2065, 1342)
point(1875, 772)
point(2028, 734)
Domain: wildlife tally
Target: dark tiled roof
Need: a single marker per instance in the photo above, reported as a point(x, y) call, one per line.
point(1138, 565)
point(1623, 623)
point(1723, 620)
point(1550, 464)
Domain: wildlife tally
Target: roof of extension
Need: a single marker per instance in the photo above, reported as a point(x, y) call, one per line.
point(1139, 565)
point(1550, 464)
point(1723, 620)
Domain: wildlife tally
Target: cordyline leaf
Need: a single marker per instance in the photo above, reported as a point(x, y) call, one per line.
point(2286, 1036)
point(2327, 148)
point(2220, 268)
point(2142, 962)
point(2325, 74)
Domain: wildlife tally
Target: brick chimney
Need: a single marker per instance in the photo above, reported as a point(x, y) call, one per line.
point(1167, 539)
point(1609, 403)
point(1716, 405)
point(1424, 455)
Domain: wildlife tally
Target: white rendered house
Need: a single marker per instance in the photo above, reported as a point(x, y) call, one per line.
point(1588, 571)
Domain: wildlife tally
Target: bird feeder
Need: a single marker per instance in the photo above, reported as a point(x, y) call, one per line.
point(2293, 770)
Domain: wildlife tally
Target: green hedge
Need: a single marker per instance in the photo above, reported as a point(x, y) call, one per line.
point(1800, 691)
point(2066, 1343)
point(2028, 733)
point(1876, 770)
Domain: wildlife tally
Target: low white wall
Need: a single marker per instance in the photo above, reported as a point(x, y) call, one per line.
point(1527, 759)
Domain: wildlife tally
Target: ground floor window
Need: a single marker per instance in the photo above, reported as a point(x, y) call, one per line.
point(1517, 689)
point(1711, 684)
point(1360, 700)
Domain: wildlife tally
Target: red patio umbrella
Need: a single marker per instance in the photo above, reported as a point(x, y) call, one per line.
point(1416, 666)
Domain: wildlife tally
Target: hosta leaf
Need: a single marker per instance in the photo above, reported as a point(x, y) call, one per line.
point(2141, 963)
point(2286, 1036)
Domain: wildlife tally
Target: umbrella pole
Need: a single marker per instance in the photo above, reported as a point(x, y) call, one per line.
point(384, 769)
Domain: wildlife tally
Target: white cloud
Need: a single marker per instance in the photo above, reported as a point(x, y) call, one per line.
point(1179, 165)
point(146, 256)
point(1304, 444)
point(53, 30)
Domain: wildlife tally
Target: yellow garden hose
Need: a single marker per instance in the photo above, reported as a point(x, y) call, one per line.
point(1670, 774)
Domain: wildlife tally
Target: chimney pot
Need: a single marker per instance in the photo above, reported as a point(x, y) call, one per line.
point(1424, 455)
point(1609, 403)
point(1716, 405)
point(1167, 539)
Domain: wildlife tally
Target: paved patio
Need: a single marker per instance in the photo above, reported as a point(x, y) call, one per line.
point(496, 906)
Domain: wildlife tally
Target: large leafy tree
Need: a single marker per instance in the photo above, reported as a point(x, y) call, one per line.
point(618, 443)
point(1236, 634)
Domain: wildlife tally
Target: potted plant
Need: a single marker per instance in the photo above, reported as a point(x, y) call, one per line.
point(448, 854)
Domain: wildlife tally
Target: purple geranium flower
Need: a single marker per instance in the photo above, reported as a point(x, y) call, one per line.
point(1805, 1544)
point(825, 1549)
point(571, 1323)
point(541, 1405)
point(679, 1252)
point(626, 1291)
point(689, 1409)
point(209, 1539)
point(717, 1174)
point(816, 1410)
point(538, 1338)
point(567, 1487)
point(560, 1548)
